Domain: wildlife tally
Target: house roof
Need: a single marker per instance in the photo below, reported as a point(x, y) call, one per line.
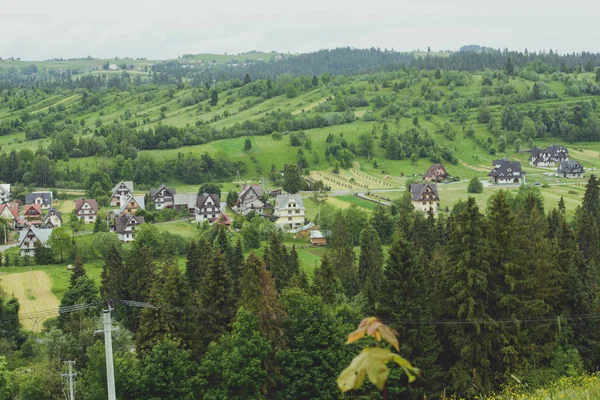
point(570, 166)
point(37, 207)
point(79, 204)
point(46, 198)
point(316, 235)
point(247, 188)
point(508, 169)
point(552, 152)
point(56, 212)
point(12, 207)
point(188, 199)
point(417, 189)
point(5, 187)
point(138, 199)
point(128, 185)
point(282, 200)
point(40, 233)
point(431, 171)
point(122, 221)
point(202, 199)
point(154, 191)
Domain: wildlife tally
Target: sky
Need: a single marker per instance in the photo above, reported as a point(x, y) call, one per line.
point(42, 29)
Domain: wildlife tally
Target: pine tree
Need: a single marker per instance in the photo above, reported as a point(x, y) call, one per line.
point(214, 97)
point(293, 264)
point(370, 261)
point(342, 256)
point(247, 79)
point(193, 272)
point(113, 275)
point(78, 271)
point(276, 258)
point(216, 300)
point(140, 274)
point(383, 224)
point(588, 222)
point(405, 296)
point(235, 266)
point(325, 282)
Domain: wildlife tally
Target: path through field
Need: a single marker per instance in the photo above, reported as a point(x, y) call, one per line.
point(33, 290)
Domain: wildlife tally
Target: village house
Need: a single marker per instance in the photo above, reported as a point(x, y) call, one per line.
point(548, 157)
point(289, 211)
point(130, 204)
point(425, 197)
point(43, 199)
point(162, 197)
point(123, 188)
point(505, 171)
point(29, 236)
point(10, 211)
point(249, 199)
point(124, 226)
point(570, 169)
point(4, 193)
point(86, 210)
point(53, 219)
point(185, 201)
point(208, 208)
point(437, 173)
point(317, 238)
point(32, 214)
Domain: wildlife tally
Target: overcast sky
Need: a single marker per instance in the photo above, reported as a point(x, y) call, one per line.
point(42, 29)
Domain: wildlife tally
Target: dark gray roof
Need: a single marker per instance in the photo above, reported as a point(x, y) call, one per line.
point(55, 211)
point(507, 169)
point(169, 192)
point(570, 167)
point(202, 199)
point(417, 189)
point(46, 198)
point(122, 221)
point(128, 185)
point(256, 188)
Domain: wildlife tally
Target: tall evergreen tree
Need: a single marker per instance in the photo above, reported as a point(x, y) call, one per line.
point(325, 282)
point(193, 271)
point(276, 259)
point(370, 261)
point(113, 276)
point(342, 255)
point(78, 270)
point(235, 266)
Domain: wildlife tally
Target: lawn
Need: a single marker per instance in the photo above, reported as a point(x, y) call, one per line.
point(185, 229)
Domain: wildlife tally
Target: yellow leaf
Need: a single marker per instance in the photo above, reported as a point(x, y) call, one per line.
point(356, 335)
point(370, 362)
point(410, 371)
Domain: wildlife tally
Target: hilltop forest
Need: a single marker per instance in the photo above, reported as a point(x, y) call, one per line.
point(497, 290)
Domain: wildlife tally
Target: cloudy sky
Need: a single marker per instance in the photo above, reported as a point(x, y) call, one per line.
point(42, 29)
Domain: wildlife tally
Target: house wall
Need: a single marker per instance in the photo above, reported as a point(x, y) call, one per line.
point(292, 221)
point(54, 220)
point(425, 206)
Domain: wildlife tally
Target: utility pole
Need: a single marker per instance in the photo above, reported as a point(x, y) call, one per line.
point(110, 369)
point(70, 375)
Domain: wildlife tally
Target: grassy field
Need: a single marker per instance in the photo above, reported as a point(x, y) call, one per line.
point(577, 388)
point(185, 229)
point(33, 289)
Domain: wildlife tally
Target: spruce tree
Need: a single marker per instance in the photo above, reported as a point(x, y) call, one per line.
point(140, 274)
point(235, 266)
point(193, 272)
point(383, 224)
point(216, 299)
point(276, 258)
point(342, 255)
point(588, 222)
point(77, 271)
point(325, 282)
point(113, 275)
point(370, 261)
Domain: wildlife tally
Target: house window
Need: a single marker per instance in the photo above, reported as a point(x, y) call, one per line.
point(289, 211)
point(289, 218)
point(297, 211)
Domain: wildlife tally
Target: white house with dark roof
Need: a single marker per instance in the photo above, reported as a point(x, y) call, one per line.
point(162, 197)
point(43, 199)
point(290, 211)
point(53, 219)
point(249, 199)
point(86, 210)
point(505, 171)
point(4, 193)
point(123, 188)
point(425, 197)
point(208, 208)
point(548, 157)
point(570, 169)
point(29, 236)
point(125, 225)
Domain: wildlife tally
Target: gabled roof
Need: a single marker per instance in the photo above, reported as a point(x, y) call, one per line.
point(5, 187)
point(56, 212)
point(46, 198)
point(37, 207)
point(202, 199)
point(122, 221)
point(187, 199)
point(316, 234)
point(13, 208)
point(128, 185)
point(282, 200)
point(508, 169)
point(417, 189)
point(80, 203)
point(431, 171)
point(247, 188)
point(138, 199)
point(570, 167)
point(154, 191)
point(40, 233)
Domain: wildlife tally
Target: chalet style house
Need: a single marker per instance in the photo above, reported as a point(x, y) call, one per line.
point(32, 214)
point(289, 211)
point(43, 199)
point(86, 210)
point(124, 226)
point(437, 173)
point(317, 238)
point(208, 208)
point(570, 169)
point(53, 219)
point(10, 211)
point(249, 199)
point(425, 197)
point(548, 157)
point(505, 171)
point(4, 193)
point(185, 201)
point(29, 236)
point(162, 197)
point(123, 188)
point(130, 204)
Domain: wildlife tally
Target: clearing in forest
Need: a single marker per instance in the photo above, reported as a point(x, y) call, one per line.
point(33, 290)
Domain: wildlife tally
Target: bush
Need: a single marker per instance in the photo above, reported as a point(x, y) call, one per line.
point(475, 186)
